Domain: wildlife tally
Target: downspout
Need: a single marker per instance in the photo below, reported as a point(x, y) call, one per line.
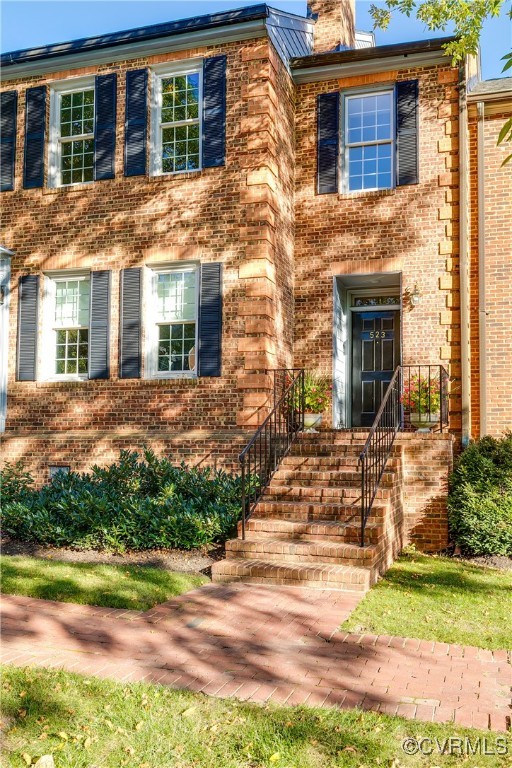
point(464, 257)
point(482, 311)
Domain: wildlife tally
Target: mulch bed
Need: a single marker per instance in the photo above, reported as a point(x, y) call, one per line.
point(183, 561)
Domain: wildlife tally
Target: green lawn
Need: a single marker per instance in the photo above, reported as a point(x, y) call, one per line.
point(113, 586)
point(439, 598)
point(89, 722)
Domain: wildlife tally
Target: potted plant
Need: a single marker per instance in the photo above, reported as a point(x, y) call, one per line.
point(317, 390)
point(421, 399)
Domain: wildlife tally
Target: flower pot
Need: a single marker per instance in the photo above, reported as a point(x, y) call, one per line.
point(423, 421)
point(312, 420)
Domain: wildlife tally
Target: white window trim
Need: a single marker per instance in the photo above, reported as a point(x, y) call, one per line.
point(346, 146)
point(57, 90)
point(48, 345)
point(151, 327)
point(189, 67)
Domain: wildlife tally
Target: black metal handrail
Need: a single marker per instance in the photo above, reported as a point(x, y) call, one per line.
point(273, 439)
point(416, 397)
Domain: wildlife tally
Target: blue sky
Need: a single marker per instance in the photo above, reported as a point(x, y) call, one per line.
point(27, 23)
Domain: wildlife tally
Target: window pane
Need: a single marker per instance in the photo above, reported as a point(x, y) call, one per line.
point(71, 304)
point(176, 296)
point(176, 343)
point(180, 104)
point(79, 156)
point(72, 355)
point(369, 120)
point(77, 119)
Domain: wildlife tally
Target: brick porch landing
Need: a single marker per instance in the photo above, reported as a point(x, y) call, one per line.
point(264, 643)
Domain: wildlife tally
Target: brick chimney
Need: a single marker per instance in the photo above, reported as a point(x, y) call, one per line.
point(335, 24)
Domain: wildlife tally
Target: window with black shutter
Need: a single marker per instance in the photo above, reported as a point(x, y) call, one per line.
point(8, 109)
point(35, 131)
point(136, 122)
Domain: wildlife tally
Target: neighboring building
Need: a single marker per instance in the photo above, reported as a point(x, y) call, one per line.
point(192, 204)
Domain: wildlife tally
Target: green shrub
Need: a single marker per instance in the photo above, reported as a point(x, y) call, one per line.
point(133, 504)
point(480, 499)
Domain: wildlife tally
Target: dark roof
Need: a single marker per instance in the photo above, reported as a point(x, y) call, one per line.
point(361, 54)
point(496, 85)
point(168, 29)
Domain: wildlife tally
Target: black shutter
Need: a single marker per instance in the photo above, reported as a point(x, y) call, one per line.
point(407, 132)
point(328, 131)
point(35, 129)
point(210, 321)
point(135, 122)
point(28, 302)
point(214, 112)
point(130, 341)
point(8, 109)
point(105, 126)
point(99, 325)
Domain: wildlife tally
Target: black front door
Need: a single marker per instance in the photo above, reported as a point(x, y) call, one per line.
point(375, 355)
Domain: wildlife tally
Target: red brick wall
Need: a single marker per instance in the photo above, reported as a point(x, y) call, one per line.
point(497, 183)
point(234, 214)
point(411, 229)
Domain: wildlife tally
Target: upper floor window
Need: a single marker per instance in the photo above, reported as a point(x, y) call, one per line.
point(369, 131)
point(72, 130)
point(177, 121)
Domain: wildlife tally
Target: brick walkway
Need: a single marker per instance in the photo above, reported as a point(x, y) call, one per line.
point(262, 643)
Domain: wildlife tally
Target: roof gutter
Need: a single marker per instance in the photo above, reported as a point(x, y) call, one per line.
point(92, 57)
point(382, 58)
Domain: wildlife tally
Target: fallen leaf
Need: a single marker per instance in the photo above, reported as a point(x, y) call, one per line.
point(109, 724)
point(349, 749)
point(87, 742)
point(27, 758)
point(22, 694)
point(63, 735)
point(45, 761)
point(139, 726)
point(188, 712)
point(22, 712)
point(275, 757)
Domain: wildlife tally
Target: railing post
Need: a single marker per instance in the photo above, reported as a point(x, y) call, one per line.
point(243, 497)
point(363, 510)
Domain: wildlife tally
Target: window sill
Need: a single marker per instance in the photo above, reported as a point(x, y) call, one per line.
point(366, 193)
point(155, 177)
point(67, 189)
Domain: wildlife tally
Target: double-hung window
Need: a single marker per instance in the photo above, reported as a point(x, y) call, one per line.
point(177, 121)
point(175, 298)
point(69, 312)
point(73, 136)
point(369, 131)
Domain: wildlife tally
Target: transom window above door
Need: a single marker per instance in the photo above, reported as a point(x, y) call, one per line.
point(75, 136)
point(369, 131)
point(177, 121)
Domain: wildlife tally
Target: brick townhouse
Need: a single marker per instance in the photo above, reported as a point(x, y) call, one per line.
point(191, 206)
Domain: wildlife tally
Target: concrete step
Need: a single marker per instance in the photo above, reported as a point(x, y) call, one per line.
point(321, 479)
point(341, 495)
point(305, 530)
point(340, 436)
point(339, 577)
point(301, 552)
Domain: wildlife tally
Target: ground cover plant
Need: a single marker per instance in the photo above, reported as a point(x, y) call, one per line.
point(439, 598)
point(480, 499)
point(86, 722)
point(112, 586)
point(136, 503)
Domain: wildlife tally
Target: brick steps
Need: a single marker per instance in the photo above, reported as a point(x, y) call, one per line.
point(312, 511)
point(321, 576)
point(347, 462)
point(344, 494)
point(301, 552)
point(320, 479)
point(321, 530)
point(305, 530)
